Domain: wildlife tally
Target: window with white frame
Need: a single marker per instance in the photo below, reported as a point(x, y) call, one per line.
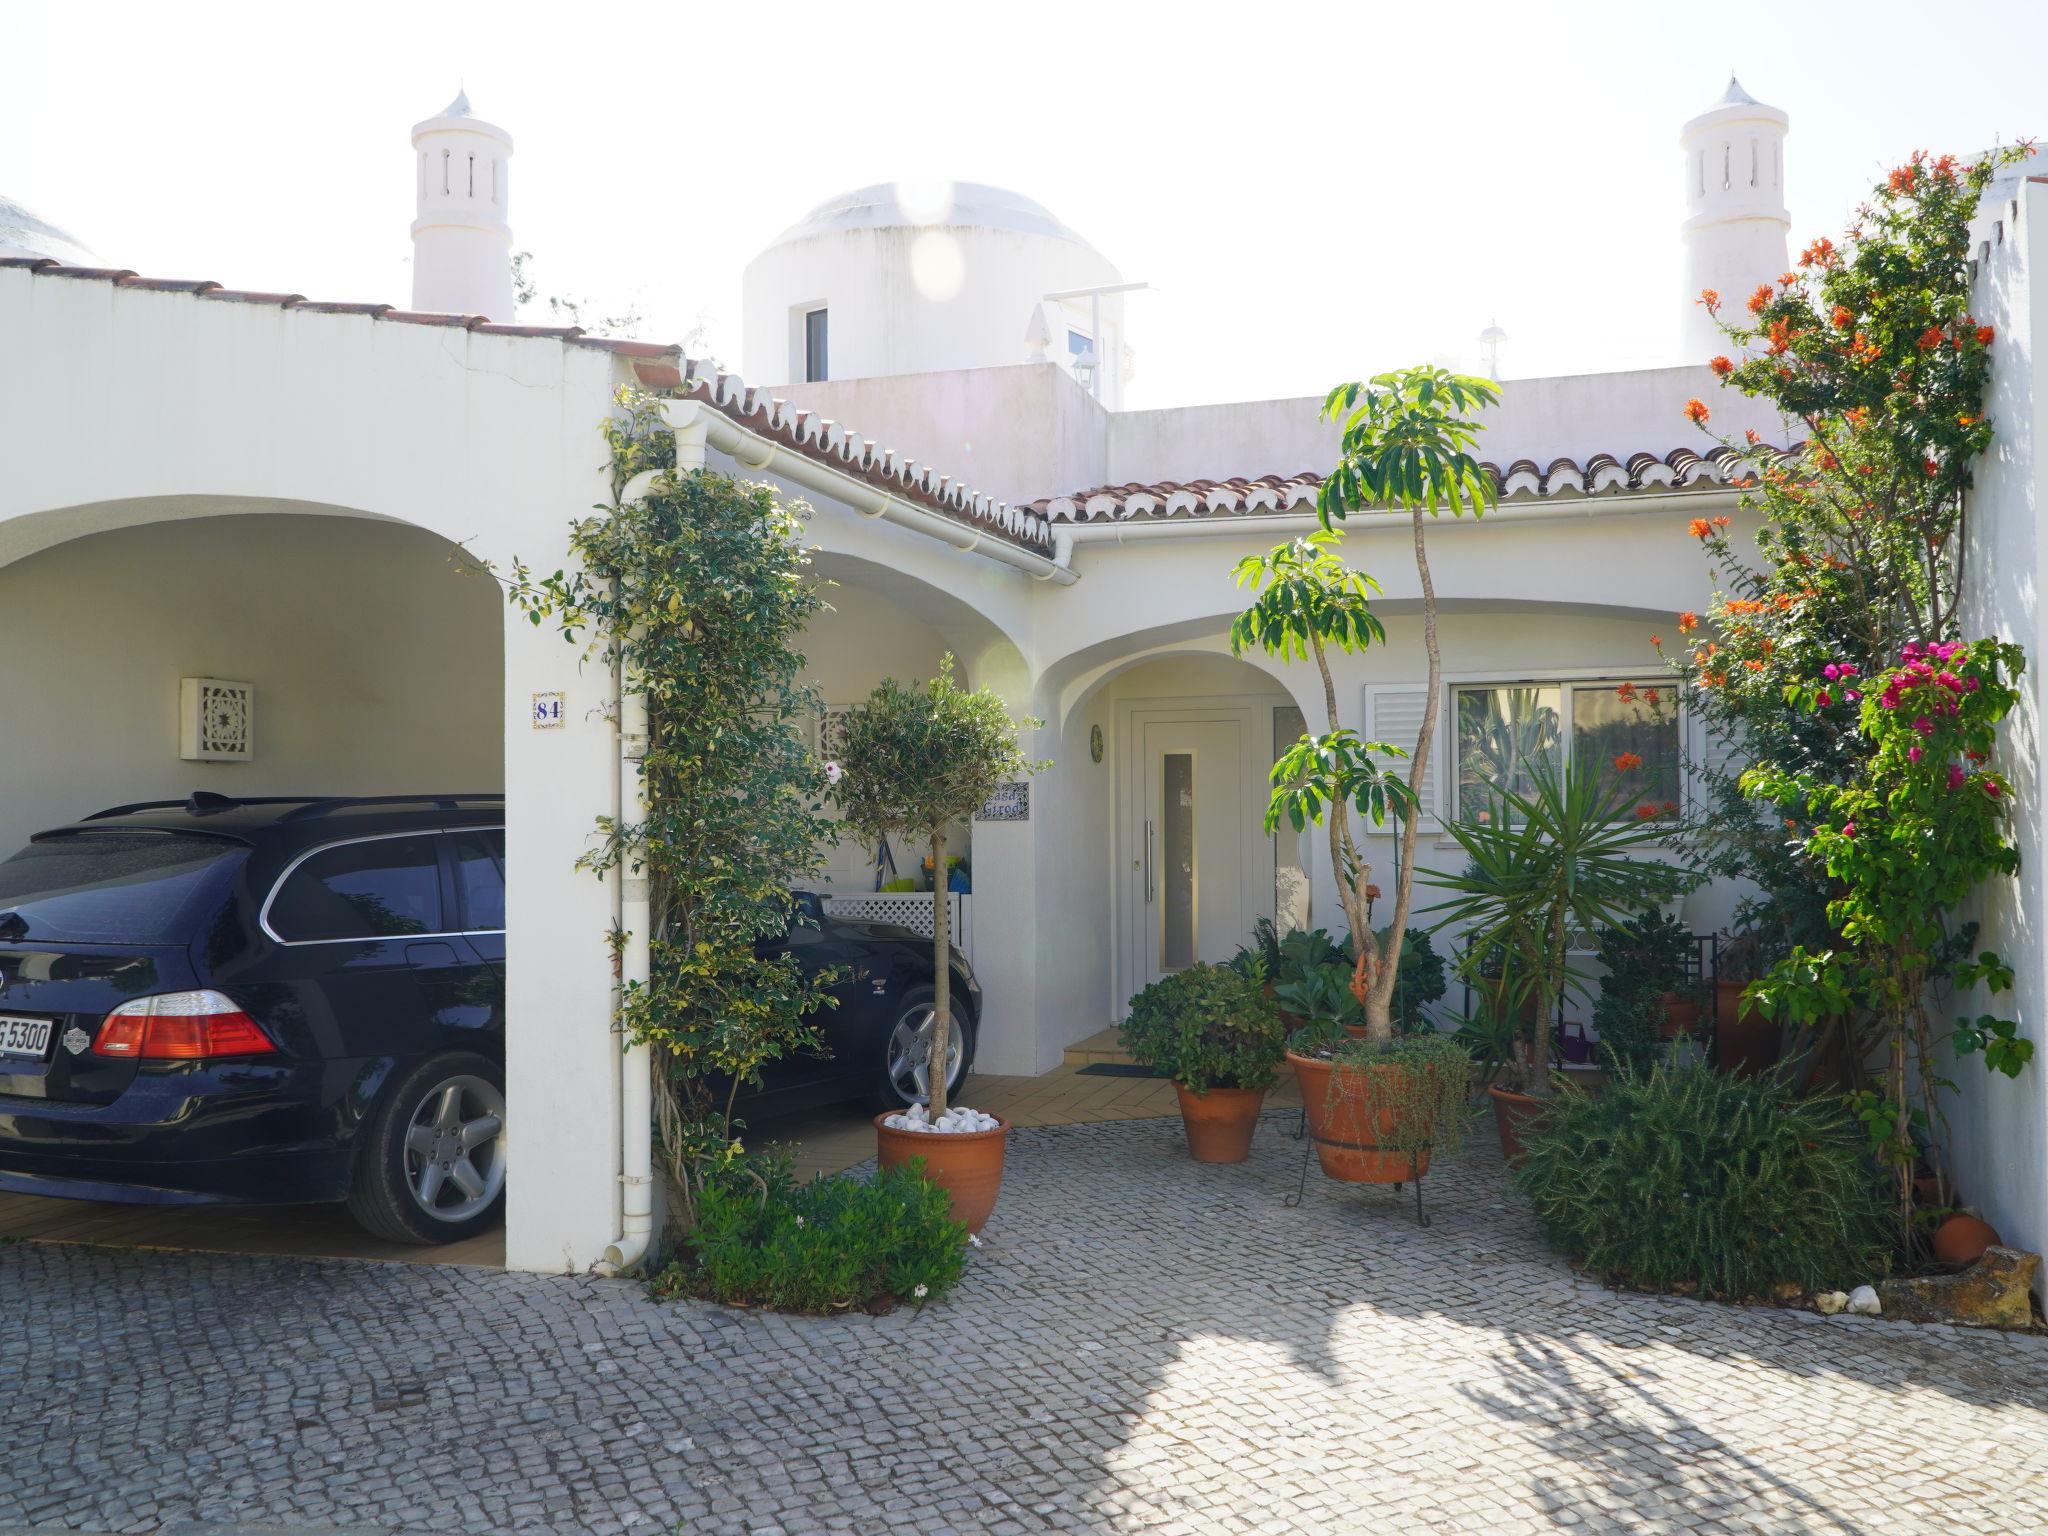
point(816, 335)
point(1630, 727)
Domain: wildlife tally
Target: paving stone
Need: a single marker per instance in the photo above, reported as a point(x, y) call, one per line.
point(1144, 1344)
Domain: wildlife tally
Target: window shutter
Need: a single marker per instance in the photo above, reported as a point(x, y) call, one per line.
point(1393, 714)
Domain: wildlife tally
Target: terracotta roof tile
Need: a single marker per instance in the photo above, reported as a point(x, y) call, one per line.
point(1524, 479)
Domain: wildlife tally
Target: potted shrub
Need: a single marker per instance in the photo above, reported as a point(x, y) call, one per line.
point(1562, 857)
point(1378, 1109)
point(1650, 957)
point(1217, 1035)
point(914, 760)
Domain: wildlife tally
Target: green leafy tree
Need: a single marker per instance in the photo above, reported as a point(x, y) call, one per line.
point(914, 760)
point(1406, 446)
point(698, 592)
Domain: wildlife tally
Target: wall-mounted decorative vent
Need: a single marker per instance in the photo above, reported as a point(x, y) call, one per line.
point(216, 720)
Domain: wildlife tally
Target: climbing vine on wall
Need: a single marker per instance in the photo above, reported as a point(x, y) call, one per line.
point(697, 588)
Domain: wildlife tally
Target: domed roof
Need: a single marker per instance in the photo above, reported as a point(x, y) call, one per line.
point(914, 205)
point(23, 233)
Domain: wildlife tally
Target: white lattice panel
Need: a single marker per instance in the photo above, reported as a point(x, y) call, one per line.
point(216, 720)
point(907, 909)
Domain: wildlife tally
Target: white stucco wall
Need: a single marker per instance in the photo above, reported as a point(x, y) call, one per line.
point(377, 665)
point(1999, 1127)
point(900, 299)
point(1017, 433)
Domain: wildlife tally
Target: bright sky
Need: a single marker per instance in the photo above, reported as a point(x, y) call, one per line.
point(1315, 192)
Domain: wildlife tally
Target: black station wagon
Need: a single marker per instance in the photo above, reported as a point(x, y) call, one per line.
point(286, 1000)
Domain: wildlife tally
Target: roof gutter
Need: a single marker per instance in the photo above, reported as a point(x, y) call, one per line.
point(756, 452)
point(1287, 525)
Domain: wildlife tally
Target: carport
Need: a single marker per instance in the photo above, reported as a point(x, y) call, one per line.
point(250, 489)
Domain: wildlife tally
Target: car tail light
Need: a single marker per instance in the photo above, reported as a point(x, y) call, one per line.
point(181, 1026)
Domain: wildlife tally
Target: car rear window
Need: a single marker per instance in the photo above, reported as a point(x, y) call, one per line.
point(379, 888)
point(116, 887)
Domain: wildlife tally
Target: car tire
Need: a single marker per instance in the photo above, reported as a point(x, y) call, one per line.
point(893, 1076)
point(430, 1161)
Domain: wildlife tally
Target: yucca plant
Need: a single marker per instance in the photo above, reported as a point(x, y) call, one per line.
point(1564, 857)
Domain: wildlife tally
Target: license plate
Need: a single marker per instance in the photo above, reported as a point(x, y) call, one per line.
point(25, 1037)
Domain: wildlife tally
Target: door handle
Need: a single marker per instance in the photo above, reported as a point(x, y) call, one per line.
point(1148, 863)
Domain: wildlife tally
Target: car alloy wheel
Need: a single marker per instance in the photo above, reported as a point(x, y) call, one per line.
point(910, 1054)
point(455, 1148)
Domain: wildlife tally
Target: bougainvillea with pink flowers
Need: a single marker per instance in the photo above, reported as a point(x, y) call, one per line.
point(1925, 824)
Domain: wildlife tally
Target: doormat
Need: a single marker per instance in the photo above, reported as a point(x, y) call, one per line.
point(1115, 1069)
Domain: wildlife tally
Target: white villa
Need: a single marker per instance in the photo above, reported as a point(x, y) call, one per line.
point(198, 481)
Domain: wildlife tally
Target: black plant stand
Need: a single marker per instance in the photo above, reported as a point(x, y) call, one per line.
point(1308, 1146)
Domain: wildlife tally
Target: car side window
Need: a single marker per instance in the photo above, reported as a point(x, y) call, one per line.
point(386, 887)
point(480, 877)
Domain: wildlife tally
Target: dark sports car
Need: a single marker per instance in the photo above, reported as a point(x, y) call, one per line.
point(282, 1000)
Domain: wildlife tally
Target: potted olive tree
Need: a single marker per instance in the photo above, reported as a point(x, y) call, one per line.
point(913, 760)
point(1219, 1037)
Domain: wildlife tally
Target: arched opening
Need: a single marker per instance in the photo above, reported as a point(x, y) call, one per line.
point(373, 667)
point(1165, 755)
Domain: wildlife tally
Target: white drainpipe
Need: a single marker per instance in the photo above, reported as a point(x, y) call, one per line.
point(636, 1061)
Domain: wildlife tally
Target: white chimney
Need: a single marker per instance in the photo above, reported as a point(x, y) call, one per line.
point(461, 242)
point(1736, 225)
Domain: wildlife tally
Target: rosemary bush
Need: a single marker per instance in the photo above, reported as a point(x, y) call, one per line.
point(1683, 1178)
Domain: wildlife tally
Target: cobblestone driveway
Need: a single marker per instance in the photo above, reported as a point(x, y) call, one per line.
point(1144, 1344)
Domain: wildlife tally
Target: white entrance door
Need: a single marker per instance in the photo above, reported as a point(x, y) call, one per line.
point(1194, 832)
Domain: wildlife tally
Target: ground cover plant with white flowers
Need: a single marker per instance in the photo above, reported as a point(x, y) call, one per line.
point(836, 1244)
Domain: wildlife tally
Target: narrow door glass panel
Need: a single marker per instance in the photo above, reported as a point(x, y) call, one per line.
point(1177, 863)
point(1290, 848)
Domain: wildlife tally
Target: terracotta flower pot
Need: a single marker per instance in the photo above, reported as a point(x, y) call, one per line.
point(1748, 1042)
point(1511, 1112)
point(1220, 1122)
point(1347, 1146)
point(1963, 1238)
point(967, 1166)
point(1681, 1016)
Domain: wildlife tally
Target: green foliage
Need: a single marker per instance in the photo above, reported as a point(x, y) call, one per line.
point(1206, 1027)
point(1420, 980)
point(827, 1246)
point(1922, 824)
point(1418, 1082)
point(1322, 995)
point(1307, 597)
point(1408, 441)
point(1646, 957)
point(1562, 858)
point(915, 757)
point(1630, 1026)
point(1682, 1177)
point(698, 593)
